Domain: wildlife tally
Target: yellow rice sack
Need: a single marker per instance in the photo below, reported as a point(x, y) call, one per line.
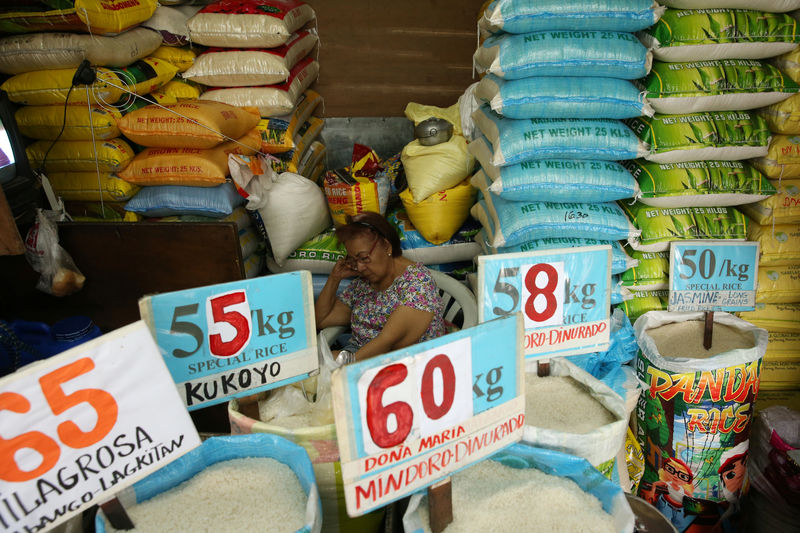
point(101, 212)
point(196, 167)
point(177, 90)
point(181, 58)
point(783, 117)
point(440, 215)
point(775, 318)
point(789, 63)
point(782, 359)
point(248, 144)
point(779, 246)
point(434, 168)
point(278, 133)
point(781, 208)
point(45, 122)
point(348, 195)
point(89, 187)
point(314, 156)
point(783, 158)
point(778, 285)
point(85, 16)
point(112, 155)
point(290, 161)
point(45, 87)
point(146, 75)
point(191, 124)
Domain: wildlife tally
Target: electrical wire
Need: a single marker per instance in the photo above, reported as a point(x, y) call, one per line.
point(60, 133)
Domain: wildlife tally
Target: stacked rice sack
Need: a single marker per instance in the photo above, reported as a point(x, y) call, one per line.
point(709, 77)
point(556, 86)
point(260, 56)
point(41, 57)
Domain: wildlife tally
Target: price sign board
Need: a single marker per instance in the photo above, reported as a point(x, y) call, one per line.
point(709, 275)
point(412, 417)
point(82, 425)
point(564, 295)
point(234, 339)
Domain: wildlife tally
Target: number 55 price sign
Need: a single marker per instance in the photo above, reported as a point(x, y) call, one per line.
point(84, 424)
point(408, 419)
point(233, 339)
point(564, 296)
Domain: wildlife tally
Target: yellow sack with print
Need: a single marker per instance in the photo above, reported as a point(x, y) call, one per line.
point(111, 155)
point(84, 16)
point(176, 90)
point(782, 359)
point(181, 58)
point(788, 63)
point(45, 122)
point(783, 158)
point(46, 87)
point(778, 285)
point(783, 117)
point(89, 187)
point(196, 167)
point(278, 133)
point(779, 245)
point(290, 161)
point(775, 318)
point(440, 215)
point(781, 208)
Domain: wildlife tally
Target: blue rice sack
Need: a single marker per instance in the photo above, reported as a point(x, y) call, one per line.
point(563, 53)
point(553, 180)
point(563, 97)
point(525, 16)
point(510, 223)
point(168, 200)
point(218, 449)
point(515, 140)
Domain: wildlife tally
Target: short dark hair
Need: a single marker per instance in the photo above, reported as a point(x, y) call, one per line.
point(370, 222)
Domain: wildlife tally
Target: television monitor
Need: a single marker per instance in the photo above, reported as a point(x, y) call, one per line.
point(13, 160)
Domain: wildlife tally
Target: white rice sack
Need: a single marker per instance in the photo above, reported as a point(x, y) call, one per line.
point(661, 225)
point(563, 97)
point(563, 53)
point(772, 6)
point(514, 16)
point(698, 183)
point(430, 169)
point(249, 23)
point(467, 104)
point(552, 180)
point(706, 34)
point(511, 223)
point(271, 100)
point(233, 67)
point(278, 199)
point(514, 141)
point(573, 412)
point(620, 260)
point(44, 51)
point(729, 136)
point(715, 85)
point(171, 23)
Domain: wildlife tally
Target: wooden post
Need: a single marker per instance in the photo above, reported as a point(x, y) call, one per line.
point(116, 514)
point(10, 239)
point(709, 330)
point(440, 505)
point(543, 368)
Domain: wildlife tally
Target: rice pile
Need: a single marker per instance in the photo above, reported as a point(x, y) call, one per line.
point(490, 496)
point(562, 404)
point(685, 339)
point(287, 407)
point(248, 494)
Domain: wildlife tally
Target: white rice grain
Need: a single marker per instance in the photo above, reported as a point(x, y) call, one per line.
point(685, 339)
point(490, 496)
point(562, 404)
point(248, 494)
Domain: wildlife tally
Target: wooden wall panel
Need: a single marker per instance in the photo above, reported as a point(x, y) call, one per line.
point(377, 55)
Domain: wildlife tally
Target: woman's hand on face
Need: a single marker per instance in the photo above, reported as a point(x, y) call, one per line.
point(341, 270)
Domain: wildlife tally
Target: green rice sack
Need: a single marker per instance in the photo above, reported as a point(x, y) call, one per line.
point(728, 135)
point(703, 34)
point(662, 225)
point(644, 302)
point(698, 183)
point(779, 244)
point(782, 208)
point(651, 274)
point(715, 85)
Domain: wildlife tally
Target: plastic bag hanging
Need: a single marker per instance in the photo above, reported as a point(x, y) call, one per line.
point(59, 275)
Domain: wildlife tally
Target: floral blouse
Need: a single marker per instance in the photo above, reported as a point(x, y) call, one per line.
point(370, 309)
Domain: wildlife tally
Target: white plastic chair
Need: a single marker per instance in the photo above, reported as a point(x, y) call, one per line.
point(459, 306)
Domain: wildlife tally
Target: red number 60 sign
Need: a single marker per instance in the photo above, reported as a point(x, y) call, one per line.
point(416, 396)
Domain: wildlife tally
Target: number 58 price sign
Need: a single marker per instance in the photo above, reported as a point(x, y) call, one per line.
point(564, 296)
point(410, 418)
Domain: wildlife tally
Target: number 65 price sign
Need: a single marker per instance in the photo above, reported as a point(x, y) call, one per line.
point(410, 418)
point(564, 296)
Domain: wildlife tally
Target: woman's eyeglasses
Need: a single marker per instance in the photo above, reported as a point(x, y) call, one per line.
point(362, 258)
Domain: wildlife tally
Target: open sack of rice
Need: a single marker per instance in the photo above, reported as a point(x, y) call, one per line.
point(235, 483)
point(524, 488)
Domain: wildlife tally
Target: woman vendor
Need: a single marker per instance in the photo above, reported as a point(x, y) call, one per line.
point(392, 303)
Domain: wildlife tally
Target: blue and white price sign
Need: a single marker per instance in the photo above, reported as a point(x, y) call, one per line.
point(564, 296)
point(232, 339)
point(710, 275)
point(410, 418)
